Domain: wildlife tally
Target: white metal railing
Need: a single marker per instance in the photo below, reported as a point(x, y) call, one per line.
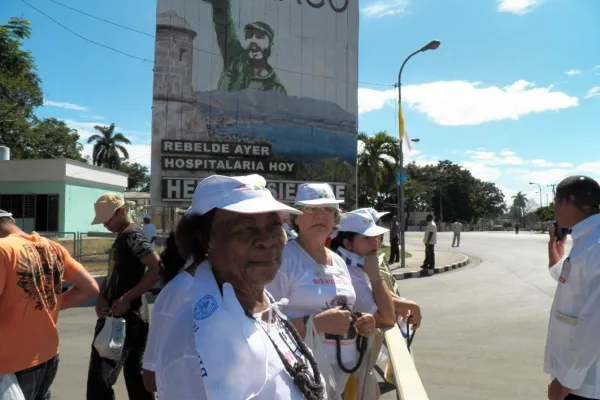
point(406, 377)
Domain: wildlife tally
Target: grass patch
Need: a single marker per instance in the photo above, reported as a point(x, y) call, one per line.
point(386, 250)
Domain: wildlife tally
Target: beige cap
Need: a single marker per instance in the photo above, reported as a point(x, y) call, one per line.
point(105, 207)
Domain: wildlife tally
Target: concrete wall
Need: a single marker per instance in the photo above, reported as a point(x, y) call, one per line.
point(79, 201)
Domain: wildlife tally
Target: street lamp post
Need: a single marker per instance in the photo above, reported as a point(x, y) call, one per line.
point(553, 186)
point(434, 44)
point(538, 185)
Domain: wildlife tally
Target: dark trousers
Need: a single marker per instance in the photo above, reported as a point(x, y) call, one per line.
point(35, 382)
point(394, 250)
point(103, 373)
point(429, 256)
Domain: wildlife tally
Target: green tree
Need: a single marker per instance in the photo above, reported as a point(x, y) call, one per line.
point(376, 165)
point(416, 198)
point(109, 150)
point(452, 190)
point(139, 178)
point(545, 213)
point(51, 138)
point(20, 91)
point(519, 206)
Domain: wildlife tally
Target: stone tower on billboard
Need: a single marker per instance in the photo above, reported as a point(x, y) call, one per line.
point(175, 113)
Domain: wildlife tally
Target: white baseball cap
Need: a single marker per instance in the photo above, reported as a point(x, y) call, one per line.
point(316, 195)
point(6, 214)
point(376, 214)
point(361, 221)
point(241, 194)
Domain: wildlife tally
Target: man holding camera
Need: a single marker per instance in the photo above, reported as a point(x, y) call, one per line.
point(572, 356)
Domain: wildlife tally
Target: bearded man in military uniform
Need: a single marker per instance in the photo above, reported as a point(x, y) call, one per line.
point(245, 64)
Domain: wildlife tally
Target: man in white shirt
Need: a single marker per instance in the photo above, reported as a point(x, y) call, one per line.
point(572, 356)
point(457, 229)
point(430, 240)
point(150, 230)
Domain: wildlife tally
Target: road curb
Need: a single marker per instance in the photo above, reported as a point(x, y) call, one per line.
point(437, 270)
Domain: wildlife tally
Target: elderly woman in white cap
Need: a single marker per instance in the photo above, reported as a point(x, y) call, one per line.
point(319, 290)
point(223, 336)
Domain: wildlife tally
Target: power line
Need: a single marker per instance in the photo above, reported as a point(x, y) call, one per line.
point(154, 36)
point(102, 19)
point(86, 39)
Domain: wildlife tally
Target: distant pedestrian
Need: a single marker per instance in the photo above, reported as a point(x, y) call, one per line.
point(149, 230)
point(394, 241)
point(456, 229)
point(32, 269)
point(572, 357)
point(133, 270)
point(430, 240)
point(517, 228)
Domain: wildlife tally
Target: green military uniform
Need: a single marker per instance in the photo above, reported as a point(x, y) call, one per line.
point(237, 72)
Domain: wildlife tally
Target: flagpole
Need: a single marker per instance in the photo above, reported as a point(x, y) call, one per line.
point(434, 44)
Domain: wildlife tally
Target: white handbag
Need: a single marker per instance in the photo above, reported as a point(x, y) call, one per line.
point(109, 342)
point(9, 388)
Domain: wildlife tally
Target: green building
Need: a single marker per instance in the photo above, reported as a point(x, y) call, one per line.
point(55, 195)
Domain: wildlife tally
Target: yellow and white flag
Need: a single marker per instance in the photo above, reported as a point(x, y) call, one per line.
point(402, 135)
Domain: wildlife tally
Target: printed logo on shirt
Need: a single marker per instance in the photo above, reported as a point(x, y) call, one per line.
point(39, 275)
point(205, 307)
point(339, 301)
point(330, 281)
point(291, 352)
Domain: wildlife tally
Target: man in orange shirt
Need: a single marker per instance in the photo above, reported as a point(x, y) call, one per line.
point(32, 269)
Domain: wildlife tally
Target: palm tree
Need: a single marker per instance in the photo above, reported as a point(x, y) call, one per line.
point(377, 160)
point(519, 205)
point(108, 147)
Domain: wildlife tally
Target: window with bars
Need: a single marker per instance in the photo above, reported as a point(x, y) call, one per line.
point(19, 205)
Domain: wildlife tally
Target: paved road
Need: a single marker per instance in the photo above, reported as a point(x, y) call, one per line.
point(483, 330)
point(484, 327)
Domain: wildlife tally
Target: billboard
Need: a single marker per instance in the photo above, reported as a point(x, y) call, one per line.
point(254, 86)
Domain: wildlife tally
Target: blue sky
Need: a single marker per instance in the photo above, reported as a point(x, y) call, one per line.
point(512, 94)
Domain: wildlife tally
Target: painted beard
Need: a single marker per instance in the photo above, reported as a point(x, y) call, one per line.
point(256, 53)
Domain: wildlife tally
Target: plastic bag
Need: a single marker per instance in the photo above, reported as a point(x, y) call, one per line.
point(109, 342)
point(9, 388)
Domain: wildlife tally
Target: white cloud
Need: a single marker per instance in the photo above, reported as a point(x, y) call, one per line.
point(95, 117)
point(385, 8)
point(460, 103)
point(593, 92)
point(573, 72)
point(518, 7)
point(85, 129)
point(507, 157)
point(60, 104)
point(138, 153)
point(481, 170)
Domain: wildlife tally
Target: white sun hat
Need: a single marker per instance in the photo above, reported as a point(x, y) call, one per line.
point(376, 214)
point(316, 195)
point(362, 221)
point(241, 194)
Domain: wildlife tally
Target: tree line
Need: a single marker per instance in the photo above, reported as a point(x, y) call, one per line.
point(31, 137)
point(445, 189)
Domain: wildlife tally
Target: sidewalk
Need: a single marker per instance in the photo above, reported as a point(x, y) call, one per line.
point(444, 261)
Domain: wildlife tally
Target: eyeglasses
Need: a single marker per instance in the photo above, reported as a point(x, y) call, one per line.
point(315, 210)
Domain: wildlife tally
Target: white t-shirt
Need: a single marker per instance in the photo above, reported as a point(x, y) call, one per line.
point(311, 289)
point(150, 232)
point(431, 228)
point(171, 349)
point(365, 302)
